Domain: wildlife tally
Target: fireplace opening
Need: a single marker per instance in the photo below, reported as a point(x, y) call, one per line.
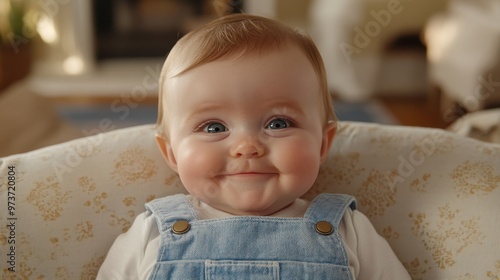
point(147, 28)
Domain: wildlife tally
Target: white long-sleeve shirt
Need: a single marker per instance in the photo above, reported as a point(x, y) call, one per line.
point(134, 253)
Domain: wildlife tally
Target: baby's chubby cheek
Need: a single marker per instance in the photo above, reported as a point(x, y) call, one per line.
point(196, 169)
point(301, 161)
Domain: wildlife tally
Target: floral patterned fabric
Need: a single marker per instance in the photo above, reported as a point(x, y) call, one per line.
point(432, 194)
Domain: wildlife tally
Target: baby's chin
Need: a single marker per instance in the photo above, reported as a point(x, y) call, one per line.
point(248, 202)
point(245, 208)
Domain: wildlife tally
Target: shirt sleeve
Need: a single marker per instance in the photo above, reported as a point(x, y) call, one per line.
point(130, 255)
point(370, 256)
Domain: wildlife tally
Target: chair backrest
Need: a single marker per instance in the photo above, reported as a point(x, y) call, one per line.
point(432, 194)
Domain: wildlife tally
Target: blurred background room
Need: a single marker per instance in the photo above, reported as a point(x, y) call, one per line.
point(72, 68)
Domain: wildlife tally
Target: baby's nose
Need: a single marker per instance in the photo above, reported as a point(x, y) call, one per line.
point(248, 148)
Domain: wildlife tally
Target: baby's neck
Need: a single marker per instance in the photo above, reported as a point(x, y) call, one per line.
point(296, 209)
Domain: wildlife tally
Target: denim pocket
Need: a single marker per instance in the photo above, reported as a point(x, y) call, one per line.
point(267, 270)
point(241, 270)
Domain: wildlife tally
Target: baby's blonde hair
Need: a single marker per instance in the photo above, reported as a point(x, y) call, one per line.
point(236, 36)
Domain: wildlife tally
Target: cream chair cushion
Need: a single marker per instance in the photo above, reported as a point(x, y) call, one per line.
point(482, 125)
point(432, 194)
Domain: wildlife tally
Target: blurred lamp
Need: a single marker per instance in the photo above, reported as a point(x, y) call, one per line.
point(47, 30)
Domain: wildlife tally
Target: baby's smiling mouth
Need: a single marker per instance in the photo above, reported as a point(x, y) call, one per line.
point(247, 171)
point(249, 174)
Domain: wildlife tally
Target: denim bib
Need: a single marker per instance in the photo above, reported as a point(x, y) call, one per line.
point(251, 247)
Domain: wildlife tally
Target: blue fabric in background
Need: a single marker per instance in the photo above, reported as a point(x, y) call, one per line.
point(372, 112)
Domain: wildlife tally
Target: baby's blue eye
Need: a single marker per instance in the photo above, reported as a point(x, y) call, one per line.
point(278, 123)
point(215, 128)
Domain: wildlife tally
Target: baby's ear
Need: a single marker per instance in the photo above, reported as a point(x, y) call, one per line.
point(328, 135)
point(166, 151)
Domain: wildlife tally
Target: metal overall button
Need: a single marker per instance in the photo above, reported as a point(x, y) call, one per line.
point(180, 227)
point(324, 228)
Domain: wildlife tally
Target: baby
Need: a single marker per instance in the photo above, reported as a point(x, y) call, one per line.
point(245, 119)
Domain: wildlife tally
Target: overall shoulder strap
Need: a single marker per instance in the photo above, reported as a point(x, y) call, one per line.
point(167, 210)
point(330, 207)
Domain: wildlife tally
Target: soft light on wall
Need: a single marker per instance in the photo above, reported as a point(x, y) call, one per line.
point(73, 65)
point(439, 36)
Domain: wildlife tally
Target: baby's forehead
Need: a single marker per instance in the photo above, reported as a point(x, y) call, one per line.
point(276, 80)
point(294, 52)
point(279, 65)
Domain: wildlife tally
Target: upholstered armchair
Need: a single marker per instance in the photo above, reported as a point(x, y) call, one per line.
point(434, 195)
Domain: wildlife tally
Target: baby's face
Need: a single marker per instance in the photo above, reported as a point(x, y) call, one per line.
point(247, 136)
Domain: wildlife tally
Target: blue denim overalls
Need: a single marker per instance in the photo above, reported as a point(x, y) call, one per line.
point(251, 247)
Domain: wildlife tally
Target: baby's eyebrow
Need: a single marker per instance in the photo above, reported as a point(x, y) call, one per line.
point(286, 108)
point(205, 107)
